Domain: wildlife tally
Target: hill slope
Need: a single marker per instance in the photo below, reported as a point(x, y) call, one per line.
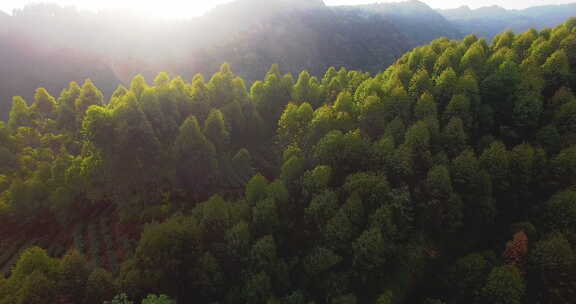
point(489, 21)
point(415, 19)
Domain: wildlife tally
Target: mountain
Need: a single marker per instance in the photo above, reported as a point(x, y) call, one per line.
point(415, 19)
point(489, 21)
point(310, 40)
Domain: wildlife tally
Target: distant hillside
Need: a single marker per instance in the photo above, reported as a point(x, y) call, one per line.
point(489, 21)
point(310, 39)
point(415, 19)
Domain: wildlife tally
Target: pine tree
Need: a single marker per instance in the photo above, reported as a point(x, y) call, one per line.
point(216, 130)
point(89, 95)
point(196, 156)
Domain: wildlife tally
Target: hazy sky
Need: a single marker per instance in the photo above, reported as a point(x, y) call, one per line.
point(185, 8)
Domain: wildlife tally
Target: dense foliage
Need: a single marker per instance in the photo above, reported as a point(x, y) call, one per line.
point(448, 178)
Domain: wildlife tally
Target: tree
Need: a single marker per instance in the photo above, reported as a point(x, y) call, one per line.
point(98, 128)
point(121, 299)
point(89, 95)
point(221, 87)
point(257, 287)
point(256, 188)
point(265, 217)
point(475, 187)
point(496, 161)
point(516, 250)
point(425, 107)
point(443, 209)
point(66, 107)
point(528, 111)
point(460, 107)
point(195, 155)
point(306, 89)
point(420, 83)
point(73, 274)
point(445, 86)
point(399, 104)
point(216, 131)
point(339, 231)
point(525, 165)
point(344, 103)
point(563, 167)
point(467, 276)
point(294, 123)
point(370, 250)
point(474, 58)
point(343, 152)
point(44, 103)
point(151, 107)
point(317, 180)
point(36, 289)
point(557, 69)
point(552, 254)
point(272, 94)
point(386, 298)
point(154, 299)
point(20, 114)
point(164, 252)
point(242, 164)
point(100, 287)
point(34, 260)
point(372, 188)
point(118, 93)
point(454, 137)
point(373, 116)
point(560, 211)
point(320, 260)
point(134, 144)
point(504, 285)
point(138, 85)
point(564, 118)
point(322, 208)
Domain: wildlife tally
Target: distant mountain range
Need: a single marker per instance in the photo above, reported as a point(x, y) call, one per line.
point(415, 19)
point(48, 46)
point(489, 21)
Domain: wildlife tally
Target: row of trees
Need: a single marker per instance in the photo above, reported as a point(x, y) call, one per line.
point(448, 178)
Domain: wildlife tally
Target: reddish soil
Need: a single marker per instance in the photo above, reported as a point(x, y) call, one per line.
point(45, 231)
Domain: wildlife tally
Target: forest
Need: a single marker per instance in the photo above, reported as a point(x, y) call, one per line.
point(449, 177)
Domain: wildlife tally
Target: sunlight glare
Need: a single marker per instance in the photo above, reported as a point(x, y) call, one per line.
point(166, 9)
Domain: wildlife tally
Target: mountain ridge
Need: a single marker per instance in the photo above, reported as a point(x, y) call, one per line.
point(489, 21)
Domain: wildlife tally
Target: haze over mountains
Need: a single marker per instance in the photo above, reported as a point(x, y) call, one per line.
point(489, 21)
point(48, 46)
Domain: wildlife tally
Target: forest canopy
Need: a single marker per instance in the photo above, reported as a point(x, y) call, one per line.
point(447, 178)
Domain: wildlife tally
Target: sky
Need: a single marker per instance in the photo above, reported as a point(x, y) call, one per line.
point(186, 8)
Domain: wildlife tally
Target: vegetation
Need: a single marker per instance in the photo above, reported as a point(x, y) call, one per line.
point(447, 178)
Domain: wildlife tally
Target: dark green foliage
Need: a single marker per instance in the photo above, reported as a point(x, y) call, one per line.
point(89, 95)
point(195, 155)
point(216, 131)
point(100, 287)
point(20, 114)
point(504, 285)
point(73, 274)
